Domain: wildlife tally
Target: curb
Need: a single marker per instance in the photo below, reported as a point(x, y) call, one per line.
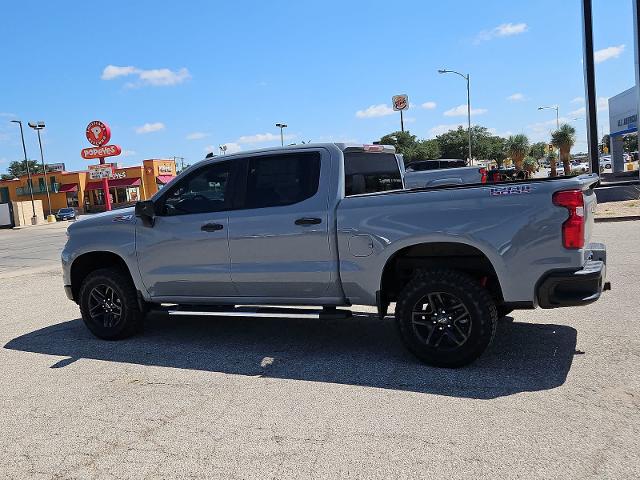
point(617, 219)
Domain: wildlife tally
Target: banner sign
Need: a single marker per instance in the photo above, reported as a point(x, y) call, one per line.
point(99, 152)
point(103, 170)
point(55, 167)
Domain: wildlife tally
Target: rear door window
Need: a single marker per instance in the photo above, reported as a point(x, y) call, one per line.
point(278, 180)
point(371, 172)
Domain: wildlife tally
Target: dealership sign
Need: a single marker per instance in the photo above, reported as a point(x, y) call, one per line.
point(103, 170)
point(100, 152)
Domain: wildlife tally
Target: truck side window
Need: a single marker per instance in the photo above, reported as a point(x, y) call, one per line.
point(371, 172)
point(284, 179)
point(201, 192)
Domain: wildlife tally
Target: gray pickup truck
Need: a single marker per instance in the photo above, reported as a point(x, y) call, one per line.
point(331, 225)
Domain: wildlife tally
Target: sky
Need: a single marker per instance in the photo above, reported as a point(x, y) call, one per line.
point(181, 78)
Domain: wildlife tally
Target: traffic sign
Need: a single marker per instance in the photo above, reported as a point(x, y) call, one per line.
point(100, 152)
point(98, 133)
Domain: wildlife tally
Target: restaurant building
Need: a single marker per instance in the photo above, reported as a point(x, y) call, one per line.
point(79, 190)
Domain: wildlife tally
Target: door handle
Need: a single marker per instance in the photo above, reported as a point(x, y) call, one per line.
point(308, 221)
point(211, 227)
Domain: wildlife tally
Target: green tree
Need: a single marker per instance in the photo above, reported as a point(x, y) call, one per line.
point(517, 146)
point(563, 139)
point(496, 150)
point(630, 143)
point(538, 150)
point(19, 168)
point(530, 164)
point(410, 147)
point(422, 150)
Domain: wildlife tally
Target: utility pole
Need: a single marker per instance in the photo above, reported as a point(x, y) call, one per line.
point(37, 126)
point(636, 41)
point(590, 84)
point(34, 218)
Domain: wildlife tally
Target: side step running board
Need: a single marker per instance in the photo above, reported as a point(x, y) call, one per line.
point(262, 312)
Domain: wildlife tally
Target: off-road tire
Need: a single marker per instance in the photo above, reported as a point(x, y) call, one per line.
point(131, 318)
point(481, 313)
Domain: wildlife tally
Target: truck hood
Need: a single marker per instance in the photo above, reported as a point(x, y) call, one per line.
point(124, 215)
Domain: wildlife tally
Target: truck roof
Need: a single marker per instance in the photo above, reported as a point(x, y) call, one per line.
point(345, 147)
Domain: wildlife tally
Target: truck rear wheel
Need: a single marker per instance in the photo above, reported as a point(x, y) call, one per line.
point(445, 318)
point(108, 304)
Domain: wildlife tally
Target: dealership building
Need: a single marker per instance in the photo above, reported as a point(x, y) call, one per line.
point(77, 189)
point(623, 120)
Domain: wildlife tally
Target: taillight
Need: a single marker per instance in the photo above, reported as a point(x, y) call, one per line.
point(573, 227)
point(483, 175)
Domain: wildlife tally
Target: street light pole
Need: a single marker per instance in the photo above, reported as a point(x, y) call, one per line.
point(467, 77)
point(34, 218)
point(281, 126)
point(557, 109)
point(37, 126)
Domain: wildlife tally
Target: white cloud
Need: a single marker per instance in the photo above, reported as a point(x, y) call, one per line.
point(262, 138)
point(579, 111)
point(429, 105)
point(603, 103)
point(196, 136)
point(608, 53)
point(7, 114)
point(578, 100)
point(159, 77)
point(112, 71)
point(516, 97)
point(440, 129)
point(232, 147)
point(373, 111)
point(461, 110)
point(3, 160)
point(150, 127)
point(503, 30)
point(128, 153)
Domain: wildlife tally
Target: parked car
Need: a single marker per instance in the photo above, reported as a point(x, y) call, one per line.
point(605, 161)
point(67, 213)
point(581, 167)
point(444, 171)
point(332, 225)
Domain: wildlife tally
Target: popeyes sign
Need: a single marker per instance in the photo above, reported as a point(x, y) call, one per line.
point(98, 134)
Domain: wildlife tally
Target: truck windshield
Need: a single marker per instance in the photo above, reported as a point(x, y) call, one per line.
point(371, 172)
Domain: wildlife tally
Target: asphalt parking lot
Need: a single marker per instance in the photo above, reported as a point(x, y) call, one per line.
point(556, 396)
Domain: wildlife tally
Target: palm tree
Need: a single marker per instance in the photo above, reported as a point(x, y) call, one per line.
point(563, 139)
point(517, 146)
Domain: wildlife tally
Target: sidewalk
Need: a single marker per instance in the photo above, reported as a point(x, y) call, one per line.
point(618, 211)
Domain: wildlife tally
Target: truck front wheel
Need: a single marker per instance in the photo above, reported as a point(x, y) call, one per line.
point(108, 304)
point(445, 317)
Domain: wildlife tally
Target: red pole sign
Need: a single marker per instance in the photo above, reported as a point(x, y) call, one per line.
point(99, 134)
point(105, 189)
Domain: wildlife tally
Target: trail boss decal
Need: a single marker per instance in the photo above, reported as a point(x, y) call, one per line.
point(511, 190)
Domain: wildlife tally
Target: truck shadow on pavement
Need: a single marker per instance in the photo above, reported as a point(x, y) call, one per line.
point(361, 351)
